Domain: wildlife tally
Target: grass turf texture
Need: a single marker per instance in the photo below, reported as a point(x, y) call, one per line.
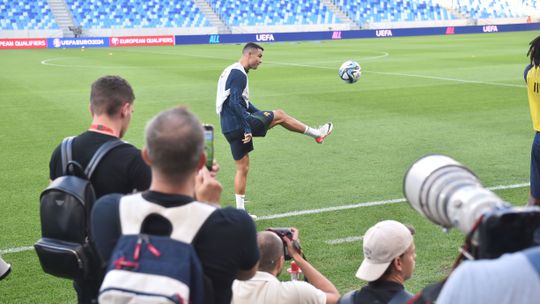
point(463, 96)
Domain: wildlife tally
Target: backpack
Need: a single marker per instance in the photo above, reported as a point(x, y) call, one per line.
point(64, 249)
point(145, 268)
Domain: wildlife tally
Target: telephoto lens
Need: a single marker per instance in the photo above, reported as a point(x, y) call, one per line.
point(448, 193)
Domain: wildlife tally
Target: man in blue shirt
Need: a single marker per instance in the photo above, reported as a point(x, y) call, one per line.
point(241, 120)
point(511, 278)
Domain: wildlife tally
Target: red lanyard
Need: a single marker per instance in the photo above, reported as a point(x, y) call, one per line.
point(102, 128)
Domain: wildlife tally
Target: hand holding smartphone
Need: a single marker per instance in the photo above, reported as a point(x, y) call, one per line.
point(209, 145)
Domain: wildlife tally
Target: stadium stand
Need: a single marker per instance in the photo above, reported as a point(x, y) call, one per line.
point(104, 14)
point(393, 11)
point(188, 17)
point(27, 15)
point(269, 13)
point(477, 9)
point(534, 4)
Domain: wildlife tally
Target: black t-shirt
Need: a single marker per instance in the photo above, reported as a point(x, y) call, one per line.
point(226, 243)
point(122, 170)
point(377, 292)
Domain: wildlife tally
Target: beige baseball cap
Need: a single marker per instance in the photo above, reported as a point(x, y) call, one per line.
point(383, 243)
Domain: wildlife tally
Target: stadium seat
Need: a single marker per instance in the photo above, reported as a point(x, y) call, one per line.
point(104, 14)
point(268, 12)
point(493, 9)
point(363, 11)
point(28, 15)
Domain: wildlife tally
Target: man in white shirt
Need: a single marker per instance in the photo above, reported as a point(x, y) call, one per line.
point(265, 288)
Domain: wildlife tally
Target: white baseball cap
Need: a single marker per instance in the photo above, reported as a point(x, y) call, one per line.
point(383, 243)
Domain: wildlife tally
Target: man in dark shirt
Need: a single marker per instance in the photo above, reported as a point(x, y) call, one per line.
point(226, 243)
point(122, 170)
point(389, 260)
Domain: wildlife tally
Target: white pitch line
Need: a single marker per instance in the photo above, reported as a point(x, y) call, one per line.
point(408, 75)
point(16, 249)
point(383, 54)
point(366, 204)
point(507, 187)
point(313, 211)
point(329, 209)
point(349, 239)
point(452, 79)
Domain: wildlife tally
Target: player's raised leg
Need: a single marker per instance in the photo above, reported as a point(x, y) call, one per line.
point(292, 124)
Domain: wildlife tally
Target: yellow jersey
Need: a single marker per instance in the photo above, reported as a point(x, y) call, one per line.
point(532, 77)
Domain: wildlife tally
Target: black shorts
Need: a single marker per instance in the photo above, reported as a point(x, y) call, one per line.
point(259, 122)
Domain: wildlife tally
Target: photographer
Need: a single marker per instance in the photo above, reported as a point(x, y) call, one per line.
point(389, 260)
point(264, 287)
point(451, 195)
point(512, 278)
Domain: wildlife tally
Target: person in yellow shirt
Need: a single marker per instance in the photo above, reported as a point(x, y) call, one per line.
point(532, 78)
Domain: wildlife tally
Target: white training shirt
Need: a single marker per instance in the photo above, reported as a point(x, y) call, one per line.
point(223, 93)
point(264, 288)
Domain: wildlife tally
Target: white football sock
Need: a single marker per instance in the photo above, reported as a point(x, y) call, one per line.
point(240, 201)
point(312, 132)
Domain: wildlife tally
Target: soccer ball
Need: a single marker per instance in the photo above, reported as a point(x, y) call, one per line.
point(350, 71)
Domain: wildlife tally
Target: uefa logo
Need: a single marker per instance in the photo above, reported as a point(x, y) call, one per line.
point(114, 41)
point(56, 43)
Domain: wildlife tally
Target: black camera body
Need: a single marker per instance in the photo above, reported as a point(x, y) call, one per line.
point(506, 231)
point(451, 195)
point(286, 233)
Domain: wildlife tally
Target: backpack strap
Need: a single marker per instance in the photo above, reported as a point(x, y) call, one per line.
point(100, 153)
point(401, 297)
point(65, 153)
point(186, 220)
point(347, 298)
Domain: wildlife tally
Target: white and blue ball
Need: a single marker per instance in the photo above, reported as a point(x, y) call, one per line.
point(350, 71)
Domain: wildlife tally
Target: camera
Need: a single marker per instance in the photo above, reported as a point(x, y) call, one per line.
point(286, 233)
point(451, 195)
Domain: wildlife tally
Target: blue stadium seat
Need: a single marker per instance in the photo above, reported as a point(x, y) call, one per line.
point(494, 8)
point(365, 11)
point(35, 15)
point(277, 12)
point(103, 14)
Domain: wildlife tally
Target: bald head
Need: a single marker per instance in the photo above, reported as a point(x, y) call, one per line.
point(271, 250)
point(175, 142)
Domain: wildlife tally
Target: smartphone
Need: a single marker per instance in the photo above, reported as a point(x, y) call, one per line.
point(209, 145)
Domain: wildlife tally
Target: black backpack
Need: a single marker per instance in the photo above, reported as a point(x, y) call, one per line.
point(64, 249)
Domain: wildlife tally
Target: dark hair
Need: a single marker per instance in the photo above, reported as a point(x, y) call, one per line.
point(251, 46)
point(534, 51)
point(109, 93)
point(175, 143)
point(270, 249)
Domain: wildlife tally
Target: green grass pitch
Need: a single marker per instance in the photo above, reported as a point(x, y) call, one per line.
point(461, 95)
